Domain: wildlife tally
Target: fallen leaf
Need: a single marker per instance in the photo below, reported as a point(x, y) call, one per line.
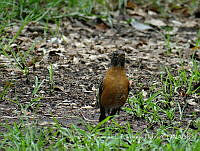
point(191, 102)
point(131, 5)
point(58, 88)
point(140, 26)
point(156, 22)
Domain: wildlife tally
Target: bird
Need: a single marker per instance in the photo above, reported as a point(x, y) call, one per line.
point(114, 87)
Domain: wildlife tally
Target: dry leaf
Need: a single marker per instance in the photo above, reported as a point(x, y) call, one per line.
point(191, 102)
point(156, 22)
point(140, 26)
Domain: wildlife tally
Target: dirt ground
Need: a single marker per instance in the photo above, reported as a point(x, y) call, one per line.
point(79, 52)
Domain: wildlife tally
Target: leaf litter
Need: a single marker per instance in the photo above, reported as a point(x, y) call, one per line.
point(80, 54)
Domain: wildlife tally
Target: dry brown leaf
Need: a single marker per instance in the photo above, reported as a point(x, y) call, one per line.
point(131, 5)
point(191, 102)
point(155, 22)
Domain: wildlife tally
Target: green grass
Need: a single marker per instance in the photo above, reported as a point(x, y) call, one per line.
point(158, 109)
point(20, 13)
point(29, 136)
point(160, 106)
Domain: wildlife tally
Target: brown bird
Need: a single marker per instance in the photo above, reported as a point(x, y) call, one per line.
point(114, 88)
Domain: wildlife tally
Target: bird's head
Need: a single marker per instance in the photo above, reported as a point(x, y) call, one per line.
point(118, 58)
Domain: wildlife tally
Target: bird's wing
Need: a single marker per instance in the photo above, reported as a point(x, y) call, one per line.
point(100, 91)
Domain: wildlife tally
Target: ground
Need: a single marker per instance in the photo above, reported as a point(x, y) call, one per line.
point(79, 51)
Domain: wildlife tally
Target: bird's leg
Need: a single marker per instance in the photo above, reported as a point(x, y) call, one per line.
point(118, 110)
point(103, 114)
point(114, 111)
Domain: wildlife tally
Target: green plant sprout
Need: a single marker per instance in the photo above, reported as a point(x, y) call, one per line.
point(6, 88)
point(51, 73)
point(143, 107)
point(37, 85)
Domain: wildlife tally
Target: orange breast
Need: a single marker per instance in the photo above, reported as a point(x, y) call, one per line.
point(115, 89)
